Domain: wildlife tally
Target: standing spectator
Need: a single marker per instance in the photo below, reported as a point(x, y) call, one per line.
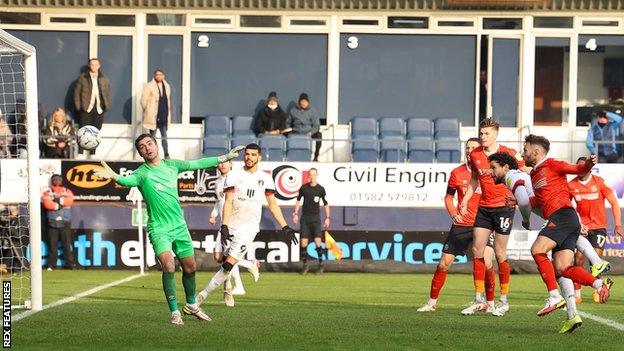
point(57, 201)
point(92, 95)
point(304, 119)
point(59, 135)
point(604, 131)
point(6, 138)
point(271, 119)
point(156, 104)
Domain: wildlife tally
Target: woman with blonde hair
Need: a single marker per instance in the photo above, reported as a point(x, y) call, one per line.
point(60, 135)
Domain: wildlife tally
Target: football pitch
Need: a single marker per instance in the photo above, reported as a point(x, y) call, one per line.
point(287, 311)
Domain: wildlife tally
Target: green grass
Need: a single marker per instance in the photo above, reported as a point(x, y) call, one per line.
point(289, 311)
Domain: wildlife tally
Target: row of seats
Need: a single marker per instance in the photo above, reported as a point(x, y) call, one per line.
point(394, 139)
point(224, 125)
point(296, 147)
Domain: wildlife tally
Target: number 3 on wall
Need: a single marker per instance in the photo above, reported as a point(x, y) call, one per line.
point(202, 41)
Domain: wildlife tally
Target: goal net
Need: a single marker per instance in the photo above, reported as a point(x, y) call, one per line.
point(20, 222)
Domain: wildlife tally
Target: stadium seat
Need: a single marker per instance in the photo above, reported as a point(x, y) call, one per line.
point(215, 145)
point(391, 126)
point(363, 126)
point(420, 150)
point(242, 140)
point(217, 125)
point(393, 149)
point(419, 128)
point(364, 148)
point(448, 150)
point(298, 148)
point(242, 125)
point(272, 147)
point(446, 128)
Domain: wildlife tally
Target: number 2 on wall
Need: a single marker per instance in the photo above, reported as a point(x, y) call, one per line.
point(202, 41)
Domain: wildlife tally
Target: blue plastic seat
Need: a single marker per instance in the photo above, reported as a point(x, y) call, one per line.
point(420, 150)
point(419, 128)
point(298, 147)
point(393, 149)
point(242, 125)
point(361, 126)
point(448, 150)
point(365, 149)
point(446, 128)
point(217, 125)
point(215, 145)
point(391, 126)
point(272, 147)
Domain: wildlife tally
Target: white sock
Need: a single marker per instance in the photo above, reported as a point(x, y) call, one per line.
point(218, 279)
point(432, 302)
point(237, 278)
point(585, 247)
point(491, 304)
point(503, 298)
point(192, 305)
point(173, 313)
point(247, 264)
point(577, 293)
point(554, 293)
point(567, 289)
point(479, 296)
point(597, 284)
point(227, 285)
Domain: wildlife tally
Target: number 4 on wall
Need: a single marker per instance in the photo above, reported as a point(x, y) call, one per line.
point(202, 41)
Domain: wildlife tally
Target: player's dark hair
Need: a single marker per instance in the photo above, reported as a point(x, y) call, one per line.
point(313, 169)
point(489, 123)
point(582, 158)
point(538, 140)
point(159, 70)
point(475, 139)
point(504, 159)
point(141, 137)
point(253, 146)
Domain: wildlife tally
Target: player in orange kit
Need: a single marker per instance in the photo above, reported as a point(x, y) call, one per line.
point(460, 236)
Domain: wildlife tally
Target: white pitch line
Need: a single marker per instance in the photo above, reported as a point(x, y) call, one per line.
point(601, 320)
point(77, 296)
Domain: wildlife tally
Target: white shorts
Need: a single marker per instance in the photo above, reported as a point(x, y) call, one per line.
point(238, 246)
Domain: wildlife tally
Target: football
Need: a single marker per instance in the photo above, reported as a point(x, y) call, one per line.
point(88, 137)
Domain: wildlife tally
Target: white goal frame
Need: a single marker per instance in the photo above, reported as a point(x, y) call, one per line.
point(11, 44)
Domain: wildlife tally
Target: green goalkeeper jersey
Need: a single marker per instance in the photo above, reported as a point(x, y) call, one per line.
point(159, 187)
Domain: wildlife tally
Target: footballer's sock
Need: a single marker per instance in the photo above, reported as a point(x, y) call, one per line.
point(490, 284)
point(547, 271)
point(577, 289)
point(227, 284)
point(585, 247)
point(581, 276)
point(567, 289)
point(478, 275)
point(504, 275)
point(168, 282)
point(238, 282)
point(218, 279)
point(188, 281)
point(319, 253)
point(439, 277)
point(303, 254)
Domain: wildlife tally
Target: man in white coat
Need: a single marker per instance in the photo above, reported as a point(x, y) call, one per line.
point(156, 104)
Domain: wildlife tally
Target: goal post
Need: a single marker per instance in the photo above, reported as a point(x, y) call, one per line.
point(14, 48)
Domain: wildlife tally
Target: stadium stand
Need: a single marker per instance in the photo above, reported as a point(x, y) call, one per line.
point(216, 145)
point(298, 147)
point(364, 148)
point(393, 149)
point(391, 126)
point(272, 147)
point(217, 125)
point(420, 149)
point(242, 126)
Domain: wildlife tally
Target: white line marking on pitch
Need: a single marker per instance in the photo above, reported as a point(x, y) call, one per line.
point(77, 296)
point(607, 322)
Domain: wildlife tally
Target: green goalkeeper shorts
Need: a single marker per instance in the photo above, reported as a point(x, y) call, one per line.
point(179, 241)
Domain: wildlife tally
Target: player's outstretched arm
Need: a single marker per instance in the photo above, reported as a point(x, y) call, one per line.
point(207, 162)
point(107, 173)
point(276, 211)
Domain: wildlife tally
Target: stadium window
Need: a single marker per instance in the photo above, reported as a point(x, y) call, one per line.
point(307, 22)
point(408, 22)
point(165, 19)
point(600, 76)
point(114, 20)
point(502, 23)
point(599, 23)
point(360, 22)
point(165, 52)
point(455, 23)
point(208, 20)
point(68, 20)
point(20, 18)
point(553, 22)
point(261, 21)
point(115, 54)
point(552, 66)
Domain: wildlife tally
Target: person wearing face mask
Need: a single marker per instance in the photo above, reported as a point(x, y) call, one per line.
point(271, 119)
point(601, 137)
point(59, 135)
point(57, 201)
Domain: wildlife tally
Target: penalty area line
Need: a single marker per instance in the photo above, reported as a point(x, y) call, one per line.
point(77, 296)
point(601, 320)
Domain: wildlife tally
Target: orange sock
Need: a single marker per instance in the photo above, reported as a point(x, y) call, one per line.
point(547, 271)
point(478, 274)
point(490, 284)
point(439, 277)
point(504, 274)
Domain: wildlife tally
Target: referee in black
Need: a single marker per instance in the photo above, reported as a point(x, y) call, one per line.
point(312, 193)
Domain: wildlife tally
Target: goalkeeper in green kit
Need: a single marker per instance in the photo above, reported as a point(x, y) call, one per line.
point(157, 179)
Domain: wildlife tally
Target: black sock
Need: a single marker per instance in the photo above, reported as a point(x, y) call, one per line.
point(304, 254)
point(319, 252)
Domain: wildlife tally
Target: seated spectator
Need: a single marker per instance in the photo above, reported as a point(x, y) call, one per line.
point(6, 138)
point(601, 137)
point(59, 136)
point(271, 119)
point(304, 119)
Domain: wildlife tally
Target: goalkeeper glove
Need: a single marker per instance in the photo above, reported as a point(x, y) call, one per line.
point(106, 172)
point(290, 234)
point(225, 234)
point(232, 154)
